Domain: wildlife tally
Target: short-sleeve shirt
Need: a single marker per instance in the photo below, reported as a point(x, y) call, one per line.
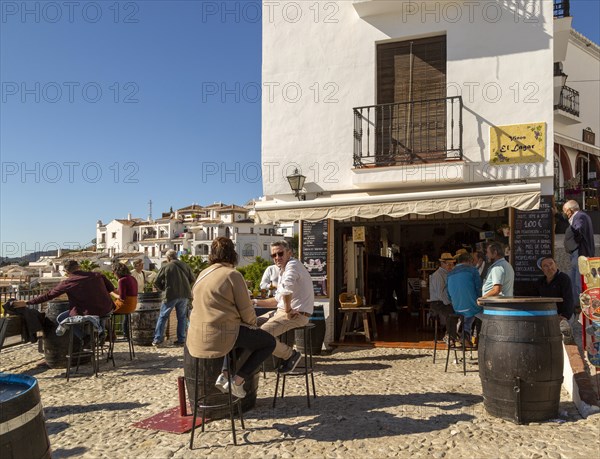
point(500, 273)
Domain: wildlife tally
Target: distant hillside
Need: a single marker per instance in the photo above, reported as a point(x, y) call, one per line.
point(34, 256)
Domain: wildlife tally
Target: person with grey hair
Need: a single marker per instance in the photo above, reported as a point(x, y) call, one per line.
point(579, 241)
point(140, 275)
point(501, 275)
point(287, 314)
point(175, 280)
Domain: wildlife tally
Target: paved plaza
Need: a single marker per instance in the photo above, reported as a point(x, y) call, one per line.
point(379, 402)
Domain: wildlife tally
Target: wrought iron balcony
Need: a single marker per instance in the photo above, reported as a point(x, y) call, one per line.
point(418, 132)
point(562, 8)
point(568, 101)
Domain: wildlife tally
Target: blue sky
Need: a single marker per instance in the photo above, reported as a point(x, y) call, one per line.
point(106, 105)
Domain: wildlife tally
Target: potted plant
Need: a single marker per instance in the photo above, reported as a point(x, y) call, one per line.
point(573, 187)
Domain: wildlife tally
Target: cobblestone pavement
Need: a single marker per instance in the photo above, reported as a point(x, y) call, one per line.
point(371, 403)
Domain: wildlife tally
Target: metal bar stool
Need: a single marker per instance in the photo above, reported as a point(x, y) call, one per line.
point(107, 323)
point(451, 326)
point(202, 401)
point(305, 370)
point(122, 319)
point(93, 354)
point(436, 323)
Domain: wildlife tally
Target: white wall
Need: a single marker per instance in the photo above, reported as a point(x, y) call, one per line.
point(333, 65)
point(582, 65)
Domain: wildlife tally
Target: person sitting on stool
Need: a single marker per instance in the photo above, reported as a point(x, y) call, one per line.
point(223, 318)
point(88, 293)
point(294, 278)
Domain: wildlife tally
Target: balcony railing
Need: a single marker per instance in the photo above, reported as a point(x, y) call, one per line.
point(419, 132)
point(568, 101)
point(561, 9)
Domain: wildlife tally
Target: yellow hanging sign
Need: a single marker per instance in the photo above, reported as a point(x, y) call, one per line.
point(518, 143)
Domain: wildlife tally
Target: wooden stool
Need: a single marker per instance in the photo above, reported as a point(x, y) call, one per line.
point(347, 323)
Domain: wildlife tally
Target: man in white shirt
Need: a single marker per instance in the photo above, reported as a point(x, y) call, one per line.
point(270, 277)
point(294, 277)
point(141, 276)
point(439, 299)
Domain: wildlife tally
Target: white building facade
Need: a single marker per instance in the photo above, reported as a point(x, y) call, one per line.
point(420, 127)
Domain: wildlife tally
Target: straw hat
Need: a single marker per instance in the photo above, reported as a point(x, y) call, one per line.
point(459, 252)
point(447, 257)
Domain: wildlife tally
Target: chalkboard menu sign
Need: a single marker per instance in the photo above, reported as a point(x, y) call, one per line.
point(533, 237)
point(314, 254)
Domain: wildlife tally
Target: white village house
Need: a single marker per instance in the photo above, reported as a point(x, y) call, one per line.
point(424, 127)
point(190, 230)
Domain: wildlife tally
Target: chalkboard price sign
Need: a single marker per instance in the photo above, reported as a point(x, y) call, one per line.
point(314, 254)
point(533, 237)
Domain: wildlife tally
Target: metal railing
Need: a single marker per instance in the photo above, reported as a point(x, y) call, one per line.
point(424, 131)
point(568, 101)
point(562, 8)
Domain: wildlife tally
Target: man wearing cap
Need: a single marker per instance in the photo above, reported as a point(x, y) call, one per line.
point(438, 289)
point(556, 284)
point(501, 275)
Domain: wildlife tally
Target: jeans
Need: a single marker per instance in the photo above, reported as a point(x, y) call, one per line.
point(256, 342)
point(575, 276)
point(181, 308)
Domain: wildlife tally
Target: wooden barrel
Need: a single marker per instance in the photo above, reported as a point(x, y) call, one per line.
point(56, 347)
point(143, 319)
point(213, 370)
point(22, 427)
point(521, 358)
point(317, 332)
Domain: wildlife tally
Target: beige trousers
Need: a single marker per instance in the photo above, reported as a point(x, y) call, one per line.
point(276, 323)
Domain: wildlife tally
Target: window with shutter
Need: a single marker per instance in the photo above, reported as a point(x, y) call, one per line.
point(411, 91)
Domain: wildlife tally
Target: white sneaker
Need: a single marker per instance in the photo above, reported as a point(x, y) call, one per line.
point(237, 391)
point(221, 383)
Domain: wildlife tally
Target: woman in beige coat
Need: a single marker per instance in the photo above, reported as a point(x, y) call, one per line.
point(223, 318)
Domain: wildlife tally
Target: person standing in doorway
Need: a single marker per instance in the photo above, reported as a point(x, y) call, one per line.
point(175, 280)
point(481, 264)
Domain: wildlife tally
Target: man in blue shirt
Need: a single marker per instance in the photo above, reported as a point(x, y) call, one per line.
point(500, 278)
point(464, 287)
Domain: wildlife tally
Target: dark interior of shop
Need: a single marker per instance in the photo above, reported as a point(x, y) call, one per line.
point(397, 287)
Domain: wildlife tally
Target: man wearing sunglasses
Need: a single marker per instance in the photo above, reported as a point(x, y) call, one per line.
point(294, 277)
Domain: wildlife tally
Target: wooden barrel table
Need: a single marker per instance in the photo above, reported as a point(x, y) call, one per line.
point(213, 370)
point(143, 319)
point(521, 358)
point(22, 426)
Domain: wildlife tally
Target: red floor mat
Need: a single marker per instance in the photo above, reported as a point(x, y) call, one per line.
point(169, 421)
